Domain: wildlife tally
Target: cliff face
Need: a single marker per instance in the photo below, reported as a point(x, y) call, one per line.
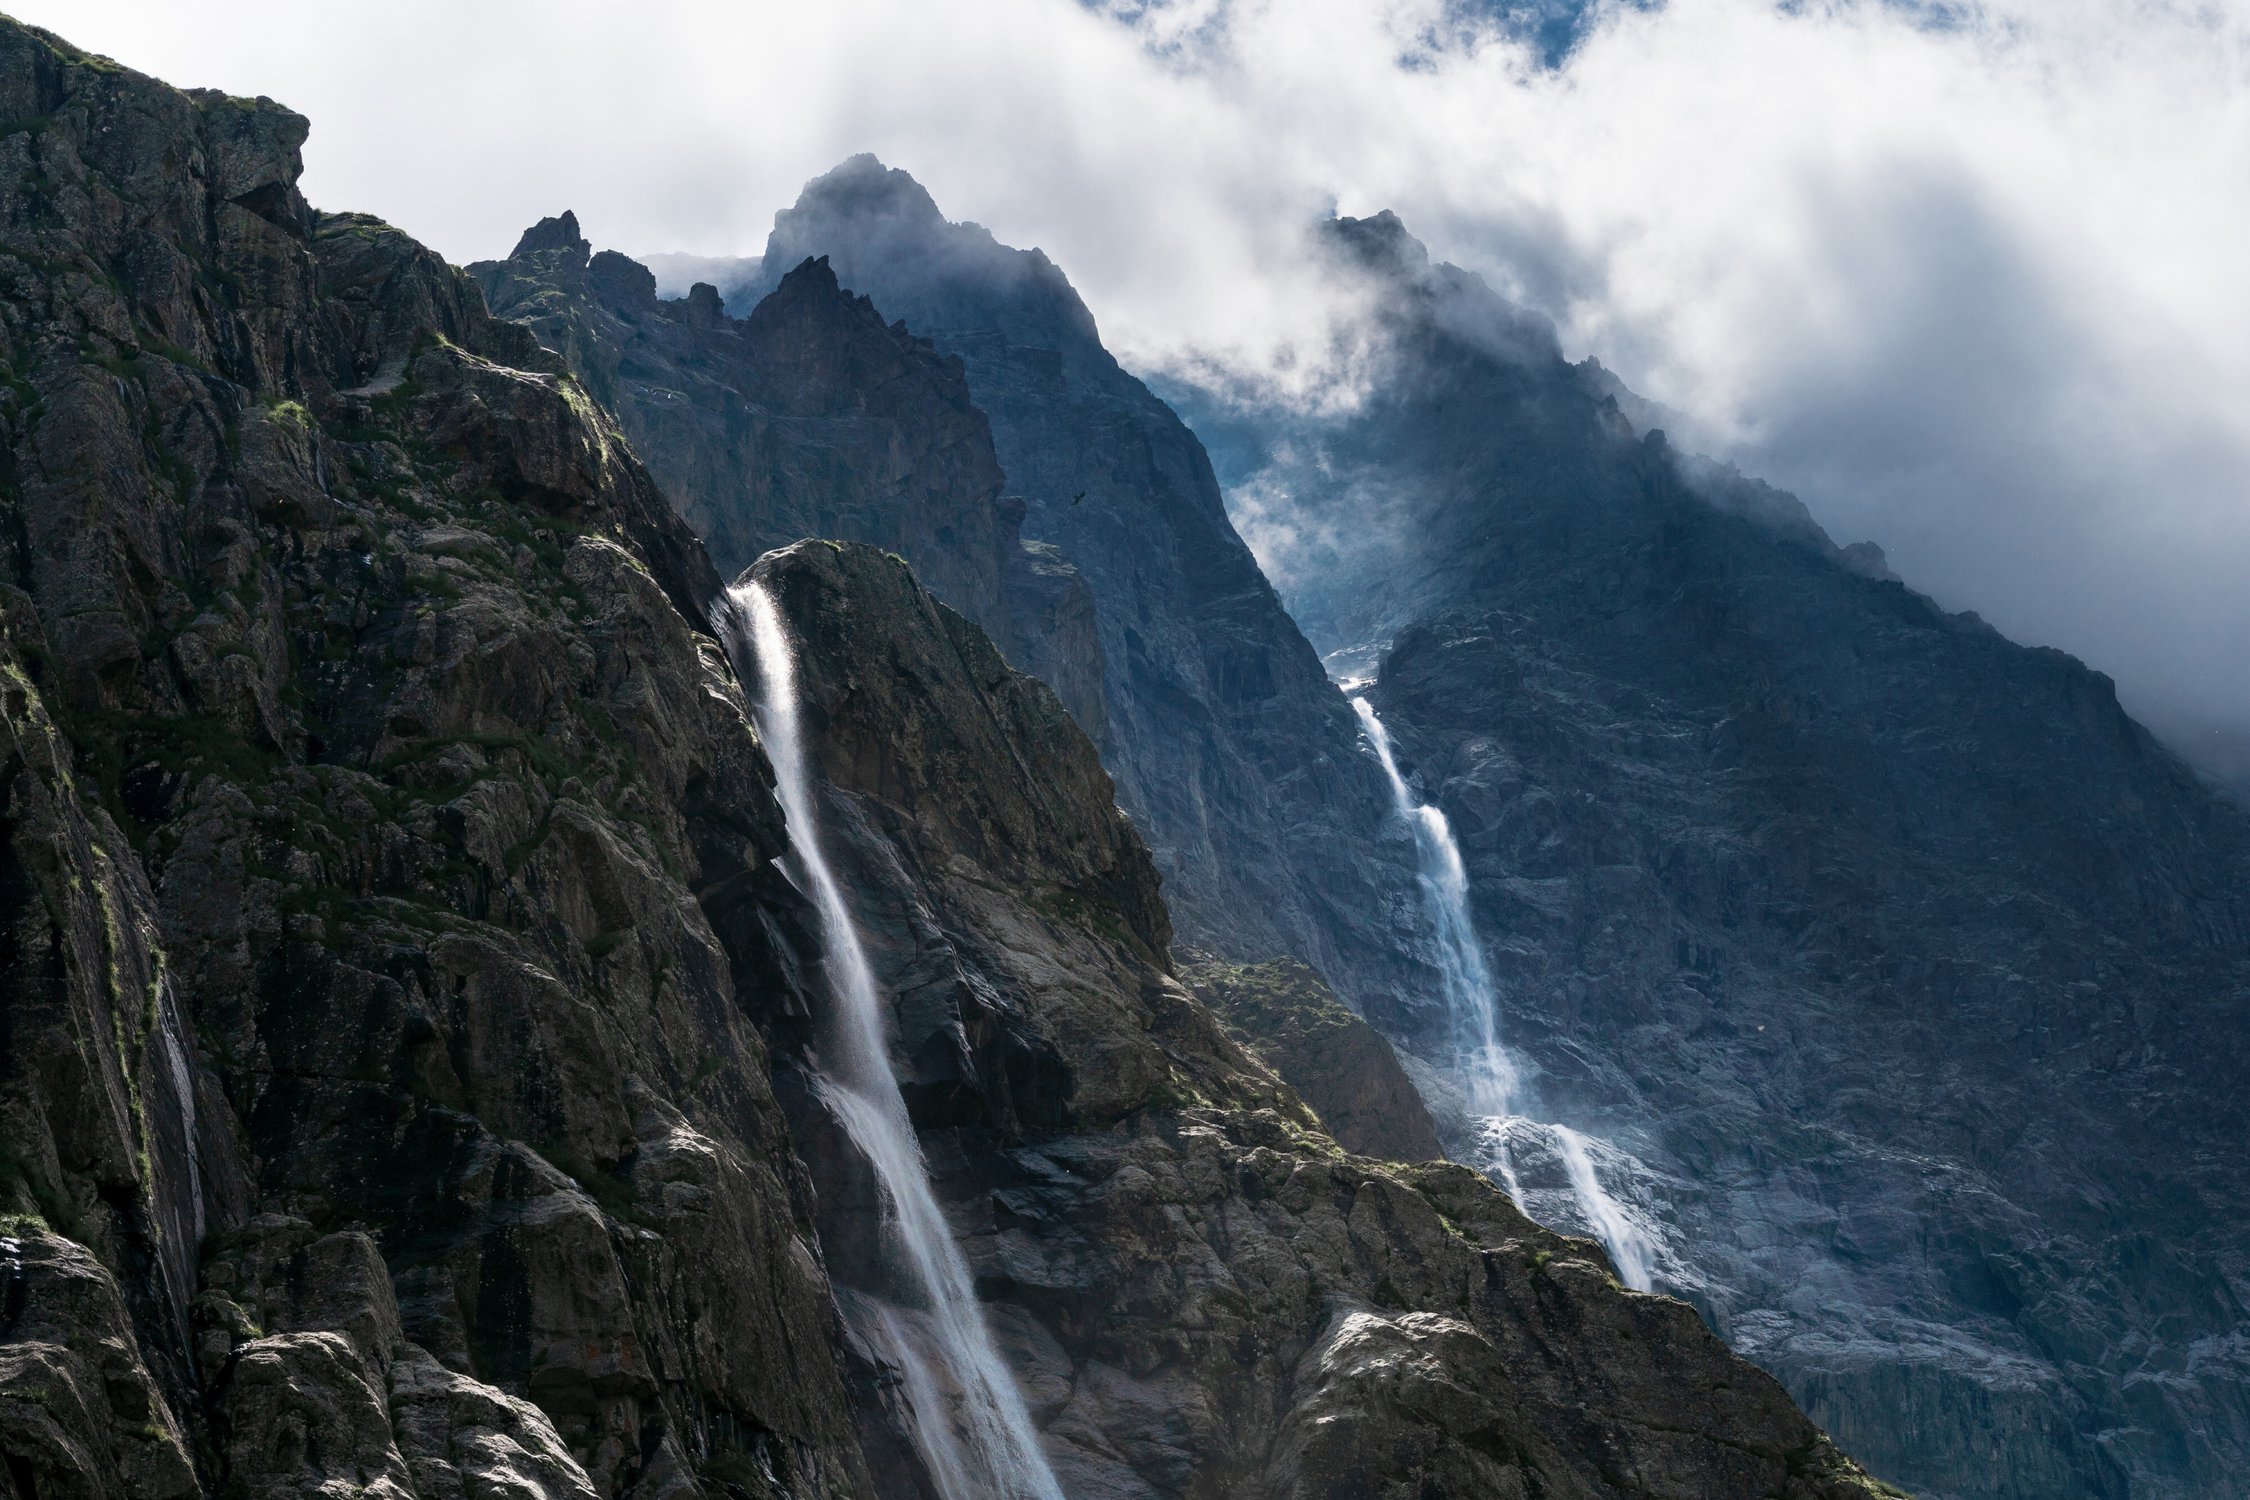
point(1235, 756)
point(1200, 1294)
point(383, 1103)
point(404, 1009)
point(809, 417)
point(1916, 971)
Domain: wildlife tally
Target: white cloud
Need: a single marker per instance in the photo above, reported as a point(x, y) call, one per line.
point(1974, 288)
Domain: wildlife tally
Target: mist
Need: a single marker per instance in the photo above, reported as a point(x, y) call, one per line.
point(1966, 278)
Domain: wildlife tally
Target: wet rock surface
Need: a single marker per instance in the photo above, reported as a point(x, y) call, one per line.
point(1918, 970)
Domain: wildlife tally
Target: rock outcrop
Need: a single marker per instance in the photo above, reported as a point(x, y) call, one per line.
point(1342, 1066)
point(1917, 971)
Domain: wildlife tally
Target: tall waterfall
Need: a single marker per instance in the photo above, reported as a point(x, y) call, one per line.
point(1488, 1077)
point(970, 1424)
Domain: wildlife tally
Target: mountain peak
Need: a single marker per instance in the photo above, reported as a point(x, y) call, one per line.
point(1380, 250)
point(859, 197)
point(1380, 243)
point(888, 239)
point(557, 233)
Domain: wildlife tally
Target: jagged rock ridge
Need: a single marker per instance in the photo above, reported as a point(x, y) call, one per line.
point(808, 417)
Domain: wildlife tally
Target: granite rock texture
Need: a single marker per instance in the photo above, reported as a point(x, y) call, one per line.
point(384, 1105)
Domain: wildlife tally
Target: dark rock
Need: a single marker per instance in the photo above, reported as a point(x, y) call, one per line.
point(382, 1107)
point(559, 233)
point(1237, 759)
point(812, 417)
point(1343, 1067)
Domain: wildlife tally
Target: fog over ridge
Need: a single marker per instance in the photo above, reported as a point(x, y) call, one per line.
point(1965, 278)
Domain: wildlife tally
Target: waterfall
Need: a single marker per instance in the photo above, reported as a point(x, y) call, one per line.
point(1629, 1245)
point(1487, 1075)
point(985, 1448)
point(183, 1222)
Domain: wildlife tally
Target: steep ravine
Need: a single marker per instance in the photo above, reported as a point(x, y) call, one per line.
point(406, 1021)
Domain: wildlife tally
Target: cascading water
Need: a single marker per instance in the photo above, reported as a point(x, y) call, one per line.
point(173, 1100)
point(1628, 1243)
point(1487, 1076)
point(986, 1448)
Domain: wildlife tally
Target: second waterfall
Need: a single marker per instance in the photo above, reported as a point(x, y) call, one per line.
point(970, 1425)
point(1488, 1077)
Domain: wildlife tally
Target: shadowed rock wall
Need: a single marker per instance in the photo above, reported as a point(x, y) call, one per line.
point(1201, 1294)
point(1237, 759)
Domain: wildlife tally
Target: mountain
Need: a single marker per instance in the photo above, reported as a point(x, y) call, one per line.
point(1886, 955)
point(414, 1065)
point(810, 417)
point(1237, 759)
point(1913, 969)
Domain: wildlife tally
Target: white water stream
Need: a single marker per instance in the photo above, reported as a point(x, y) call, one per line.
point(970, 1424)
point(1486, 1074)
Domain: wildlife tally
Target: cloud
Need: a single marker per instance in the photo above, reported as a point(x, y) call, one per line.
point(1966, 277)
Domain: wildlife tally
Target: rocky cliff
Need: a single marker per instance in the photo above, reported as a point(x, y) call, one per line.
point(404, 1005)
point(1200, 1293)
point(1915, 971)
point(384, 1106)
point(809, 417)
point(1235, 756)
point(1345, 1069)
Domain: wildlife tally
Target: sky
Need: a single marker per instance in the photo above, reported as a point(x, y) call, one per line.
point(1970, 277)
